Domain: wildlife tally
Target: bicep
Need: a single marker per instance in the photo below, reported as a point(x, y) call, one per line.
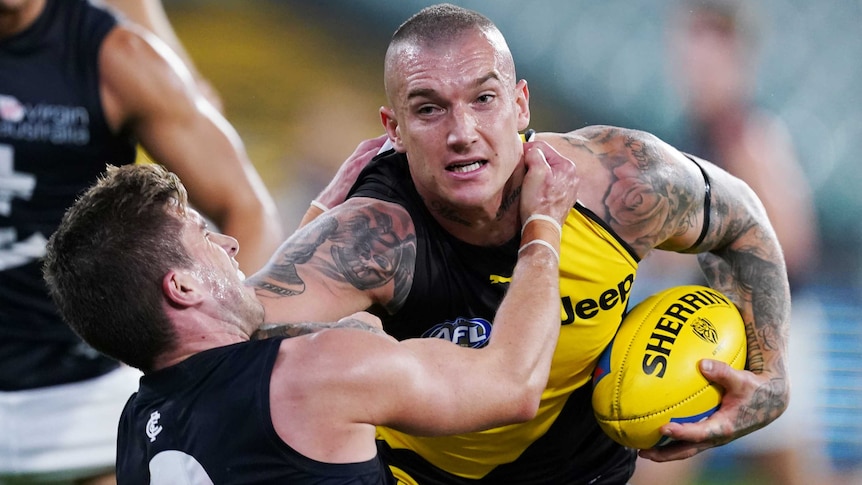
point(737, 217)
point(361, 253)
point(649, 193)
point(426, 390)
point(373, 379)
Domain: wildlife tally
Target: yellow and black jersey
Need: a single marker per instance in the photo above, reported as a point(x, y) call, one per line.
point(456, 290)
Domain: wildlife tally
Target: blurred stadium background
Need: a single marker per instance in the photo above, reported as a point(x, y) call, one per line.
point(302, 82)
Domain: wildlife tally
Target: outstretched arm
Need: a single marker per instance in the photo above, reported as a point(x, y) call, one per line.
point(341, 260)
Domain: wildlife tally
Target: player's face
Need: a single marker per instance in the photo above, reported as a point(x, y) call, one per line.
point(217, 270)
point(457, 111)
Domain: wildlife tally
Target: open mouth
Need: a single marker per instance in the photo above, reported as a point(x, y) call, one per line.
point(466, 167)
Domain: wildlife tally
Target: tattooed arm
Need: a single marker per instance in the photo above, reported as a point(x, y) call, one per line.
point(741, 257)
point(359, 255)
point(653, 196)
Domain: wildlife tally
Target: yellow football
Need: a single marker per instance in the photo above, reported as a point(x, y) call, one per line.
point(648, 375)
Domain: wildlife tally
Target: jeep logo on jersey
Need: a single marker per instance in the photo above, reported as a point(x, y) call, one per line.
point(466, 332)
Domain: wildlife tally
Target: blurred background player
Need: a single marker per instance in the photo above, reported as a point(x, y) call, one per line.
point(713, 54)
point(77, 91)
point(151, 15)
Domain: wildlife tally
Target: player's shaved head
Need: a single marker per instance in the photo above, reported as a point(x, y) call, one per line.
point(437, 27)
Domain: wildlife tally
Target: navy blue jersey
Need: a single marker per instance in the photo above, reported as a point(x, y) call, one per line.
point(207, 420)
point(54, 142)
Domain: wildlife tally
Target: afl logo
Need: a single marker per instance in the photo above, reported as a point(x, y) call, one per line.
point(466, 332)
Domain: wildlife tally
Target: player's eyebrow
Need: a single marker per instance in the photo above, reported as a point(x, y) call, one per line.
point(430, 93)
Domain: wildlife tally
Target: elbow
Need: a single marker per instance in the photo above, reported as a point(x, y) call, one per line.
point(527, 410)
point(526, 399)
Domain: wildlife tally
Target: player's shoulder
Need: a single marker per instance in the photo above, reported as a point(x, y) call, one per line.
point(127, 39)
point(605, 136)
point(386, 215)
point(329, 354)
point(609, 147)
point(129, 47)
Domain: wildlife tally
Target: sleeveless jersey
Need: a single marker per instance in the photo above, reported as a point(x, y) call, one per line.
point(456, 291)
point(54, 142)
point(207, 420)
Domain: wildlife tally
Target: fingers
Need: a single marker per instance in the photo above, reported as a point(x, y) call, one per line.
point(550, 184)
point(717, 372)
point(672, 451)
point(336, 192)
point(748, 403)
point(372, 144)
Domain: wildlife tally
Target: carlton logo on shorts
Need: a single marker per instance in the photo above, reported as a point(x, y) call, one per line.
point(466, 332)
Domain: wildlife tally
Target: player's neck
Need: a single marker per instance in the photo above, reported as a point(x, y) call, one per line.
point(491, 225)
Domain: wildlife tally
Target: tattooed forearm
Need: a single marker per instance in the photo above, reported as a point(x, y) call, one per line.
point(750, 280)
point(359, 325)
point(298, 329)
point(755, 352)
point(288, 330)
point(288, 281)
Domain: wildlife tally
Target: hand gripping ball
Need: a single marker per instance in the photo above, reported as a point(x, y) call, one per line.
point(648, 375)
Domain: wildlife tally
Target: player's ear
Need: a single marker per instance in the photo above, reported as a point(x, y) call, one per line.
point(390, 123)
point(181, 288)
point(522, 100)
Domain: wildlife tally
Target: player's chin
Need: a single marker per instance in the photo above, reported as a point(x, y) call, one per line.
point(476, 195)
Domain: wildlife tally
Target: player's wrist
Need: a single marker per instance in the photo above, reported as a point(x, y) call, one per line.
point(543, 243)
point(541, 230)
point(542, 218)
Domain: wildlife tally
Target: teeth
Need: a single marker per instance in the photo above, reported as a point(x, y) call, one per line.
point(467, 168)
